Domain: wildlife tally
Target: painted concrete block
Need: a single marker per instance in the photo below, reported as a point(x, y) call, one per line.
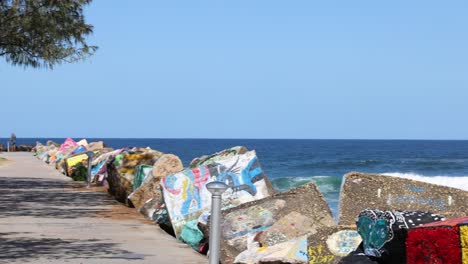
point(440, 242)
point(292, 251)
point(250, 223)
point(187, 198)
point(362, 191)
point(331, 244)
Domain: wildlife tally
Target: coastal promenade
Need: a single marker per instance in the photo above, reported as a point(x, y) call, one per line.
point(47, 218)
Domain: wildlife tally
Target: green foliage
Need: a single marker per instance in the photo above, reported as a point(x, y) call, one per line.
point(43, 33)
point(79, 172)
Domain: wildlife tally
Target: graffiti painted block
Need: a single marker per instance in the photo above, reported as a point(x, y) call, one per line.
point(218, 156)
point(292, 251)
point(187, 198)
point(150, 188)
point(440, 242)
point(384, 232)
point(68, 145)
point(45, 152)
point(361, 191)
point(245, 224)
point(155, 209)
point(141, 173)
point(63, 150)
point(120, 173)
point(331, 244)
point(100, 162)
point(74, 160)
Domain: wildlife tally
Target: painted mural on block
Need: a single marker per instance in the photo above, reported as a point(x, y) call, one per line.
point(343, 242)
point(187, 198)
point(440, 242)
point(379, 228)
point(292, 251)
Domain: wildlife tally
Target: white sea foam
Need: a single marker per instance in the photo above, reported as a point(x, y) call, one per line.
point(459, 182)
point(304, 178)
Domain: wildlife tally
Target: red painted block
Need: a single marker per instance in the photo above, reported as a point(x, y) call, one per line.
point(439, 242)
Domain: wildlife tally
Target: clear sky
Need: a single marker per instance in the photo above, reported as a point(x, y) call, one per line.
point(254, 69)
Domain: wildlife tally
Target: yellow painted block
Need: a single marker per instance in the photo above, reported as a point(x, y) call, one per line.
point(464, 243)
point(72, 161)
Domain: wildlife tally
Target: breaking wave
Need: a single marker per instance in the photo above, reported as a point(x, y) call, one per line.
point(329, 186)
point(326, 184)
point(459, 182)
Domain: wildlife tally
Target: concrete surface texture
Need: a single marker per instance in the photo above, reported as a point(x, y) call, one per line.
point(361, 191)
point(47, 218)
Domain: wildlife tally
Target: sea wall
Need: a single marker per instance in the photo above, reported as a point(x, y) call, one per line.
point(259, 224)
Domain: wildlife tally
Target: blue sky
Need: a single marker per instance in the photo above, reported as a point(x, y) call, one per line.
point(254, 69)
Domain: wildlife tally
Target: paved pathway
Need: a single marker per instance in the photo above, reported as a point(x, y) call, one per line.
point(46, 218)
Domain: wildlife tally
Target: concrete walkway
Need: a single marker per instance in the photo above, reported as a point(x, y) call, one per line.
point(47, 218)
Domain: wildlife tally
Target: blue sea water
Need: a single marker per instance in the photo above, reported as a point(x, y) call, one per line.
point(290, 163)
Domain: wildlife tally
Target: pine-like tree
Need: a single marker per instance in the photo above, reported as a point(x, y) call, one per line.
point(44, 33)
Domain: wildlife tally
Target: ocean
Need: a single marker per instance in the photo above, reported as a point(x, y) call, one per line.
point(290, 163)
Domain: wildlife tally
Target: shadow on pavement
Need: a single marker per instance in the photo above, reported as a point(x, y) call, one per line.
point(25, 248)
point(48, 199)
point(34, 183)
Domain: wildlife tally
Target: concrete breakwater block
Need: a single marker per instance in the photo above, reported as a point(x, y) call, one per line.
point(331, 244)
point(187, 198)
point(440, 242)
point(100, 163)
point(66, 148)
point(118, 186)
point(141, 172)
point(120, 171)
point(148, 198)
point(98, 145)
point(384, 233)
point(218, 156)
point(74, 160)
point(44, 152)
point(298, 212)
point(362, 191)
point(155, 209)
point(327, 245)
point(166, 165)
point(27, 148)
point(292, 251)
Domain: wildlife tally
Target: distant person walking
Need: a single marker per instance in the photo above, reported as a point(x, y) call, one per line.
point(13, 142)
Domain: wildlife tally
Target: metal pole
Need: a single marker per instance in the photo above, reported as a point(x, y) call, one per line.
point(8, 146)
point(90, 161)
point(216, 188)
